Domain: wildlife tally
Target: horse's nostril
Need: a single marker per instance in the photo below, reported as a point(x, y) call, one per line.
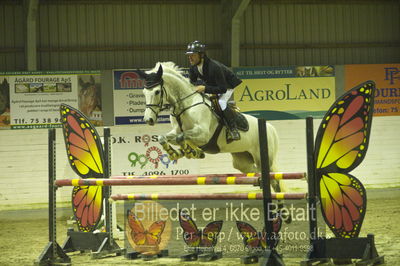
point(151, 121)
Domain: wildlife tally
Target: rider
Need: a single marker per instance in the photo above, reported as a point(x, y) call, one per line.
point(218, 79)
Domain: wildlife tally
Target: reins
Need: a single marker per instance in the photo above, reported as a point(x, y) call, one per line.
point(178, 116)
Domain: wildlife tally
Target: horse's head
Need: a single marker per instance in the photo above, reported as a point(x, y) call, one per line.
point(89, 96)
point(154, 94)
point(4, 96)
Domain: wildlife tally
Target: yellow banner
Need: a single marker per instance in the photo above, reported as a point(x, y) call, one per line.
point(286, 98)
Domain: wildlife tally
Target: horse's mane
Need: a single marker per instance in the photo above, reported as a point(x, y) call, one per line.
point(173, 69)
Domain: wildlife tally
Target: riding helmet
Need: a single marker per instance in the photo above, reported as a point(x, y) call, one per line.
point(195, 47)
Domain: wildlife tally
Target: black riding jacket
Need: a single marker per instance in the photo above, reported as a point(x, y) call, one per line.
point(216, 76)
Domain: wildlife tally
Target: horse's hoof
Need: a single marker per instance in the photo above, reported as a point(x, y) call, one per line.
point(180, 138)
point(162, 140)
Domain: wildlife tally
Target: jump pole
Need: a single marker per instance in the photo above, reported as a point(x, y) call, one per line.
point(108, 245)
point(272, 175)
point(270, 256)
point(312, 190)
point(53, 253)
point(210, 179)
point(209, 196)
point(159, 181)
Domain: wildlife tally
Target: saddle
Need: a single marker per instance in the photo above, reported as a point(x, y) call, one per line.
point(241, 123)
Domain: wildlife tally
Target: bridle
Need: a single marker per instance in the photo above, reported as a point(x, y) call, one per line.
point(175, 113)
point(160, 105)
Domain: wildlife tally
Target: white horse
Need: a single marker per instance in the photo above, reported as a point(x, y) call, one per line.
point(194, 123)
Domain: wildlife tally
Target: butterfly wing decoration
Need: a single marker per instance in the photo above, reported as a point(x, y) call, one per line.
point(253, 239)
point(140, 236)
point(87, 202)
point(340, 146)
point(194, 237)
point(209, 235)
point(83, 144)
point(85, 155)
point(191, 234)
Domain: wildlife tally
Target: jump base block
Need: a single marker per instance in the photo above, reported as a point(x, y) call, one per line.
point(97, 243)
point(343, 250)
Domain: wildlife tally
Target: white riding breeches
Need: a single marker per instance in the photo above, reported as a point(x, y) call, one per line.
point(224, 98)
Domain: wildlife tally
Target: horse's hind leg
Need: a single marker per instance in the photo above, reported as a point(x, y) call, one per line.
point(243, 161)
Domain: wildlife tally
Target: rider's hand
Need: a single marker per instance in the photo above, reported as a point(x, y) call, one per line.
point(200, 88)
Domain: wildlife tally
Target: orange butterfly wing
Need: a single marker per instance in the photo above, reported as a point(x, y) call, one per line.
point(85, 155)
point(137, 234)
point(87, 206)
point(341, 145)
point(140, 236)
point(153, 234)
point(83, 144)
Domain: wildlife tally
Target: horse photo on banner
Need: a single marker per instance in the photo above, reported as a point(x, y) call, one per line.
point(89, 98)
point(4, 102)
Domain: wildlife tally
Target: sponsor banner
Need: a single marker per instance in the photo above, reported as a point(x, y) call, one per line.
point(387, 80)
point(231, 228)
point(129, 100)
point(141, 154)
point(285, 93)
point(4, 102)
point(35, 97)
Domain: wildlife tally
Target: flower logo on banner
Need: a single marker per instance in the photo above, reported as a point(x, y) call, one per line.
point(153, 154)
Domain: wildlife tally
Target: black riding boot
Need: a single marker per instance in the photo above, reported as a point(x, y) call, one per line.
point(231, 131)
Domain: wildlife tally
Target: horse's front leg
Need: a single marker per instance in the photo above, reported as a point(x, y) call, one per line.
point(187, 142)
point(165, 141)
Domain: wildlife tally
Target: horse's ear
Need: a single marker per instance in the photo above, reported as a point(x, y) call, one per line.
point(159, 72)
point(81, 82)
point(141, 73)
